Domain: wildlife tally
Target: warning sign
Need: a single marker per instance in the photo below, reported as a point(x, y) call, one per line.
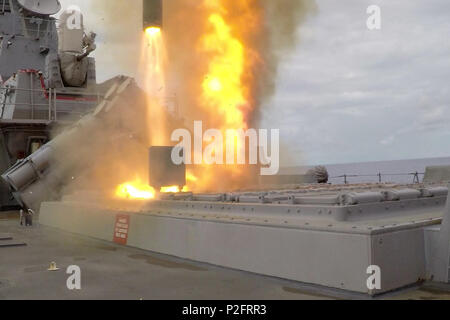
point(121, 229)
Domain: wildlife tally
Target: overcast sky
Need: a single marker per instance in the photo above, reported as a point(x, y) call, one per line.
point(348, 94)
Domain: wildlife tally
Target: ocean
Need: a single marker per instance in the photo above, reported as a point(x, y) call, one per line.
point(396, 171)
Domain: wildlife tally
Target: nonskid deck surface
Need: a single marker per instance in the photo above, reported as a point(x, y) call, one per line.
point(111, 271)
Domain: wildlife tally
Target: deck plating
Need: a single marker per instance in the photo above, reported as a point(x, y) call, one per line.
point(322, 236)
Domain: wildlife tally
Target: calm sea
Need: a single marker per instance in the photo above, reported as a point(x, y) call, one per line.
point(398, 171)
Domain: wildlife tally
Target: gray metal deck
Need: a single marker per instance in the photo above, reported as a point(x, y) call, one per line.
point(318, 235)
point(110, 271)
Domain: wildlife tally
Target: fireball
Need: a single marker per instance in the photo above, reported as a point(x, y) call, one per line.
point(135, 190)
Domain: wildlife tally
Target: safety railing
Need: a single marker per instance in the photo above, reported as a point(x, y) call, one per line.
point(34, 27)
point(4, 6)
point(380, 177)
point(55, 104)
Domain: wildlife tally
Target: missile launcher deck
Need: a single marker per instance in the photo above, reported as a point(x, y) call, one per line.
point(329, 235)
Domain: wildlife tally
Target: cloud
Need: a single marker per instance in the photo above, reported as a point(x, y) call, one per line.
point(361, 95)
point(388, 140)
point(429, 120)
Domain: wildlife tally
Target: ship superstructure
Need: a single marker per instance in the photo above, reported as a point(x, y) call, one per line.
point(47, 77)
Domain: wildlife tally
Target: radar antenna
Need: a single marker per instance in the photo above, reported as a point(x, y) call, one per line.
point(41, 7)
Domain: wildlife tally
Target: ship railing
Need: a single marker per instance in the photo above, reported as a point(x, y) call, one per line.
point(53, 106)
point(28, 29)
point(381, 176)
point(4, 6)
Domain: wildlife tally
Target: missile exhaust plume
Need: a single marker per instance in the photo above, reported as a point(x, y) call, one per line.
point(220, 57)
point(224, 66)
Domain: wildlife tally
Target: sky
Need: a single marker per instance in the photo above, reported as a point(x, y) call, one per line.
point(348, 94)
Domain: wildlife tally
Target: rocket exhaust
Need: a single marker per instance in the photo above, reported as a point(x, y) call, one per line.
point(152, 14)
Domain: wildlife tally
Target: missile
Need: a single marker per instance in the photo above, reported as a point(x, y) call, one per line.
point(152, 14)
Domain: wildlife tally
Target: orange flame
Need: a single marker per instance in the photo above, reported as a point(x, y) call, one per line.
point(138, 190)
point(135, 190)
point(223, 91)
point(174, 189)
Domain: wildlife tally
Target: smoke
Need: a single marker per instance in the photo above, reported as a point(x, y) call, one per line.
point(282, 21)
point(268, 29)
point(116, 150)
point(104, 149)
point(119, 28)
